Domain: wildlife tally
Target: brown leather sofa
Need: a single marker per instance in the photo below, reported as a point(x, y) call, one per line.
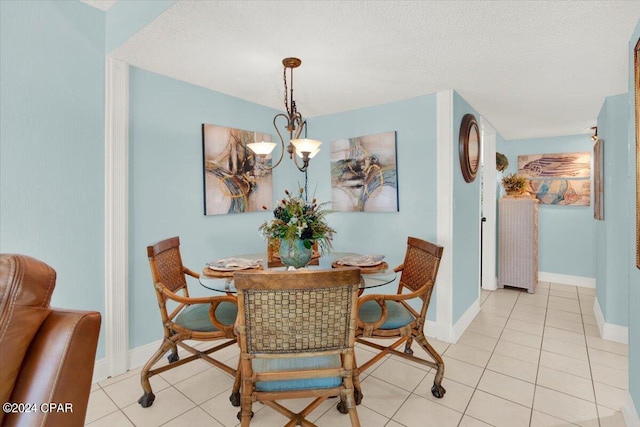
point(46, 355)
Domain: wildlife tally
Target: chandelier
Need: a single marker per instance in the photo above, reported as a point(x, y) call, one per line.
point(303, 148)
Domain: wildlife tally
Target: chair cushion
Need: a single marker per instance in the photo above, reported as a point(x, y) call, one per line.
point(297, 363)
point(196, 317)
point(397, 315)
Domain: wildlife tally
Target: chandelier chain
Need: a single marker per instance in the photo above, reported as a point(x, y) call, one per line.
point(295, 124)
point(286, 98)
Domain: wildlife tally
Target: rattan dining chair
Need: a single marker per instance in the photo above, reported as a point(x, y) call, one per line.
point(296, 331)
point(390, 315)
point(196, 319)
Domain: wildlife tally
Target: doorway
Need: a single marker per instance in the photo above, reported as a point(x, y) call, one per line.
point(488, 190)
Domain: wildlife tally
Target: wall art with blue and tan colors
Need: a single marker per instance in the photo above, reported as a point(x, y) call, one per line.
point(364, 175)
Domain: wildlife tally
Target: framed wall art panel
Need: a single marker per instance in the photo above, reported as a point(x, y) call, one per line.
point(558, 178)
point(562, 192)
point(598, 180)
point(234, 181)
point(636, 61)
point(364, 174)
point(555, 165)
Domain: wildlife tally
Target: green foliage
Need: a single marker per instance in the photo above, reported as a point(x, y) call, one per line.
point(514, 182)
point(295, 219)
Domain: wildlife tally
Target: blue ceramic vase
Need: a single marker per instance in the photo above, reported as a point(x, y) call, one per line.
point(294, 253)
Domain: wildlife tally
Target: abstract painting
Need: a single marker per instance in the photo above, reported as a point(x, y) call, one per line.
point(636, 73)
point(558, 178)
point(364, 174)
point(556, 165)
point(235, 181)
point(574, 192)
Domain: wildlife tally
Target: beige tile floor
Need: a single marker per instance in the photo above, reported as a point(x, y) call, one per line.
point(526, 360)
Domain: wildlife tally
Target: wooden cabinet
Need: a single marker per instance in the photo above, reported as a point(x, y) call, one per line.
point(518, 243)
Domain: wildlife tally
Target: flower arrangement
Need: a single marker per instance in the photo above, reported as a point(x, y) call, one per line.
point(295, 219)
point(514, 182)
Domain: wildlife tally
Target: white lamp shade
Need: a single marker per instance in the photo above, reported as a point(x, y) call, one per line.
point(311, 155)
point(262, 148)
point(307, 145)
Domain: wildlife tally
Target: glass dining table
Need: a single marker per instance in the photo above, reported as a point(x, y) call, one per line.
point(222, 280)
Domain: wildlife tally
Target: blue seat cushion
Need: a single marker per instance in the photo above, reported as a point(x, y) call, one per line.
point(297, 363)
point(196, 316)
point(397, 315)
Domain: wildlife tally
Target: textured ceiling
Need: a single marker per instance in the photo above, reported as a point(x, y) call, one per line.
point(532, 68)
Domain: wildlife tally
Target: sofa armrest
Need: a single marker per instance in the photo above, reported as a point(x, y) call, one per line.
point(58, 368)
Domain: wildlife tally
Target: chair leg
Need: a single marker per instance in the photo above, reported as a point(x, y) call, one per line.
point(235, 392)
point(173, 357)
point(357, 389)
point(407, 347)
point(353, 416)
point(342, 407)
point(437, 390)
point(245, 414)
point(246, 391)
point(148, 397)
point(347, 405)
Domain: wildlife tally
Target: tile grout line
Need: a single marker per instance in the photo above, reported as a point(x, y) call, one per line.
point(538, 365)
point(544, 324)
point(511, 311)
point(588, 362)
point(485, 367)
point(586, 344)
point(116, 405)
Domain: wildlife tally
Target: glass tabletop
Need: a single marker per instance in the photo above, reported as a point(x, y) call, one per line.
point(222, 281)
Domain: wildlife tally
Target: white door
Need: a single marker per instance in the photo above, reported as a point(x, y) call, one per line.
point(488, 208)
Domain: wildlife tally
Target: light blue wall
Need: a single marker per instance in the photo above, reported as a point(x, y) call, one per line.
point(52, 144)
point(466, 223)
point(634, 273)
point(612, 241)
point(414, 120)
point(166, 197)
point(52, 170)
point(127, 17)
point(566, 234)
point(166, 157)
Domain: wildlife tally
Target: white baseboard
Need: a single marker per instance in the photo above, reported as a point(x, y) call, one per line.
point(137, 357)
point(492, 286)
point(435, 330)
point(629, 412)
point(450, 334)
point(609, 331)
point(564, 279)
point(100, 370)
point(465, 320)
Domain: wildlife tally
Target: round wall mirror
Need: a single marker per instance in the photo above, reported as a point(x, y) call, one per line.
point(469, 146)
